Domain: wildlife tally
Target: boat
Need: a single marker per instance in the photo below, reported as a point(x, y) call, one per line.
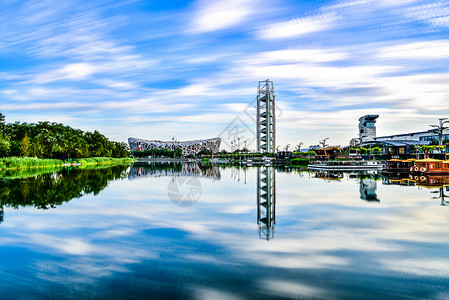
point(398, 166)
point(430, 166)
point(362, 165)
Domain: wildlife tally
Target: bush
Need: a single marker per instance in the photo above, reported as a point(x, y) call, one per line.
point(299, 162)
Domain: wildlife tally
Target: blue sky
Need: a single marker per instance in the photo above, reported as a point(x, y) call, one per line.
point(188, 69)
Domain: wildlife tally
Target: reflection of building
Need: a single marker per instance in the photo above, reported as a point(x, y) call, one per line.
point(266, 202)
point(368, 188)
point(443, 196)
point(155, 169)
point(187, 147)
point(266, 117)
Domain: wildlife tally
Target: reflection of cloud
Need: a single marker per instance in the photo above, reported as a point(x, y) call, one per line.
point(205, 293)
point(418, 266)
point(318, 231)
point(293, 289)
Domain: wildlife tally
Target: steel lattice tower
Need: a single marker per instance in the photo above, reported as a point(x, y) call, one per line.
point(266, 117)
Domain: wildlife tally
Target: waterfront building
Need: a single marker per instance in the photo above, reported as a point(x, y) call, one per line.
point(355, 142)
point(327, 153)
point(423, 136)
point(187, 147)
point(367, 128)
point(397, 145)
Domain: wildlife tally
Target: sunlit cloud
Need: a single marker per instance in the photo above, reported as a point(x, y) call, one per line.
point(217, 15)
point(427, 50)
point(298, 27)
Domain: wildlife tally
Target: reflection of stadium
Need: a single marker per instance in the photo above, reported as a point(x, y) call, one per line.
point(187, 147)
point(173, 169)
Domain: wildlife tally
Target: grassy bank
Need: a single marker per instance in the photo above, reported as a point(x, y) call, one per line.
point(28, 162)
point(103, 160)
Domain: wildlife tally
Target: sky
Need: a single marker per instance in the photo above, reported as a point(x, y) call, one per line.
point(190, 69)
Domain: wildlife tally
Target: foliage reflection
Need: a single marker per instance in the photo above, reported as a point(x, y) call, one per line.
point(49, 190)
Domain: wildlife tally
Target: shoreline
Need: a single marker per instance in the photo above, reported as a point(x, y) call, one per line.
point(16, 163)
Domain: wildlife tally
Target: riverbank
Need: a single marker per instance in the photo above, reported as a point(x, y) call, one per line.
point(10, 163)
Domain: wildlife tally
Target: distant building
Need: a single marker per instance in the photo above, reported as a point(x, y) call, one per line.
point(187, 147)
point(367, 129)
point(327, 153)
point(367, 134)
point(355, 142)
point(423, 136)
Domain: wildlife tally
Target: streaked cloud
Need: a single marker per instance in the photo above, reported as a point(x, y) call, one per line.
point(298, 27)
point(425, 50)
point(128, 61)
point(217, 15)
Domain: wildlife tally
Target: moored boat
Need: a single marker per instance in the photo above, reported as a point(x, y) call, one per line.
point(348, 165)
point(398, 166)
point(430, 166)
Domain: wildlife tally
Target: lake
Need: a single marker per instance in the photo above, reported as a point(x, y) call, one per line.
point(189, 231)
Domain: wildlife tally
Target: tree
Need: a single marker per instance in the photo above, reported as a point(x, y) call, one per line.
point(4, 146)
point(25, 146)
point(2, 122)
point(178, 152)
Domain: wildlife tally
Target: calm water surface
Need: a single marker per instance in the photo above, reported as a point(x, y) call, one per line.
point(185, 231)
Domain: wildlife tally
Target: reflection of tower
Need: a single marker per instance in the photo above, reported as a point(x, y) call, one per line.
point(266, 202)
point(368, 188)
point(266, 117)
point(442, 196)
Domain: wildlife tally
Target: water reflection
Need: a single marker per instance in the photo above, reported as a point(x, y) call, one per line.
point(49, 190)
point(442, 195)
point(328, 176)
point(158, 169)
point(266, 202)
point(131, 242)
point(368, 188)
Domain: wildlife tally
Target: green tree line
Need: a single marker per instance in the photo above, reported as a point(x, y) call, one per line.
point(55, 140)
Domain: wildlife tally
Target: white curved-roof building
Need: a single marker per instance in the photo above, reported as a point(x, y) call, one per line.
point(187, 147)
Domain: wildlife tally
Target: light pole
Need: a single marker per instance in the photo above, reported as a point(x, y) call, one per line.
point(440, 129)
point(174, 147)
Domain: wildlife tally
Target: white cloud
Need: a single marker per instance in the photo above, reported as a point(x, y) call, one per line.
point(433, 13)
point(425, 50)
point(218, 15)
point(77, 71)
point(298, 55)
point(298, 27)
